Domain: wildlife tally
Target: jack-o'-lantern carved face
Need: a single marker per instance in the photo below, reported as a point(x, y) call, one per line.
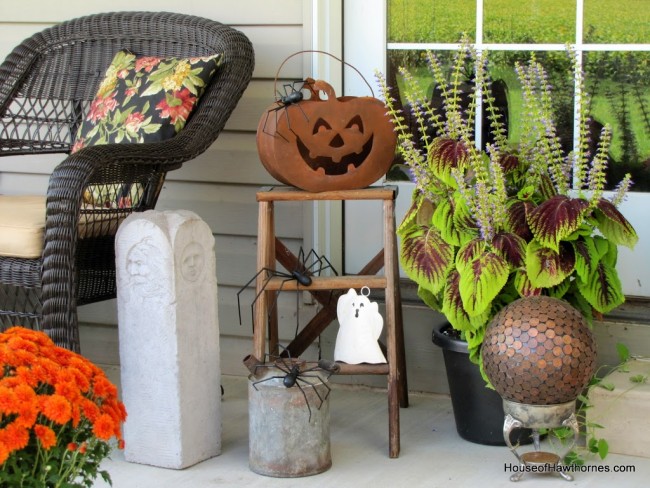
point(332, 144)
point(332, 148)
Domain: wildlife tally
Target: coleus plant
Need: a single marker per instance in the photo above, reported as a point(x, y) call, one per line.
point(487, 227)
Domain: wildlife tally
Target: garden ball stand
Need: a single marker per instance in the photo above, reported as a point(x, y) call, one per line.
point(536, 417)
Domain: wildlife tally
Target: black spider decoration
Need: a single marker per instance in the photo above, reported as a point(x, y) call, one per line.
point(310, 265)
point(292, 97)
point(293, 373)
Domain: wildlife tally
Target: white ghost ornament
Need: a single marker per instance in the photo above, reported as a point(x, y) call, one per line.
point(360, 328)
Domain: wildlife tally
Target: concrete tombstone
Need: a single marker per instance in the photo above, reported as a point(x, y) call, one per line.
point(168, 338)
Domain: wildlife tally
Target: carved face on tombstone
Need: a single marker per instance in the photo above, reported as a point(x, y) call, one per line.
point(144, 267)
point(192, 261)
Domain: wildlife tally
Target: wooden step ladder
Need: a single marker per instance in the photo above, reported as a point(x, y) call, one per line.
point(270, 249)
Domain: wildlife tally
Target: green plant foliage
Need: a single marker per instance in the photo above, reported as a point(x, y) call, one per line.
point(489, 226)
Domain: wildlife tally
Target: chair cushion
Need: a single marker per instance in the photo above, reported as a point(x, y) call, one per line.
point(22, 225)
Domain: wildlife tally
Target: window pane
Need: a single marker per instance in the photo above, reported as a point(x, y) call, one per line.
point(430, 20)
point(560, 77)
point(617, 21)
point(529, 21)
point(506, 89)
point(620, 89)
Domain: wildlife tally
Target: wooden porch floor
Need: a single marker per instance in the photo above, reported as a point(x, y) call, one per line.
point(432, 454)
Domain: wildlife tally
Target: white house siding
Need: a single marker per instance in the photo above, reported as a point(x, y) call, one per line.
point(220, 185)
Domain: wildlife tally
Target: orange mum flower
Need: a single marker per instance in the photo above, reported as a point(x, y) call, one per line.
point(11, 382)
point(8, 400)
point(80, 379)
point(17, 343)
point(76, 415)
point(45, 435)
point(51, 396)
point(57, 408)
point(48, 370)
point(68, 390)
point(27, 414)
point(81, 366)
point(28, 375)
point(34, 336)
point(103, 388)
point(104, 427)
point(22, 357)
point(90, 410)
point(14, 436)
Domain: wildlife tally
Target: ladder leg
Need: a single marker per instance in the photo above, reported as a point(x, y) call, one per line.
point(265, 259)
point(392, 289)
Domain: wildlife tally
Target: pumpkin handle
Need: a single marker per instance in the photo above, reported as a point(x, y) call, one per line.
point(277, 74)
point(322, 86)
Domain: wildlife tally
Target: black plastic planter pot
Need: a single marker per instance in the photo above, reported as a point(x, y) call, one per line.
point(478, 410)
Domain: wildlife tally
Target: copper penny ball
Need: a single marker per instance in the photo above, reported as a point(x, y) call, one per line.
point(558, 349)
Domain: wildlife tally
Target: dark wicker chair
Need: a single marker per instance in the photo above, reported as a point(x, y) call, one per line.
point(46, 85)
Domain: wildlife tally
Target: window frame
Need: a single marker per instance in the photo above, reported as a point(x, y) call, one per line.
point(366, 47)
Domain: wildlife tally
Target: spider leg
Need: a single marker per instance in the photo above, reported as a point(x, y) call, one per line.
point(329, 265)
point(319, 261)
point(314, 385)
point(274, 364)
point(295, 334)
point(270, 274)
point(243, 288)
point(306, 400)
point(280, 106)
point(277, 294)
point(283, 359)
point(266, 379)
point(315, 260)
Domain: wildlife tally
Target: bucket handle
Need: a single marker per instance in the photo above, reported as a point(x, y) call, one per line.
point(277, 74)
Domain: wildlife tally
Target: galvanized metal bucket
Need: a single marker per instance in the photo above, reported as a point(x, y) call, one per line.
point(289, 428)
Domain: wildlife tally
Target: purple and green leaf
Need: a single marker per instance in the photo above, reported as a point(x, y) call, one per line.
point(603, 289)
point(613, 225)
point(469, 252)
point(511, 247)
point(546, 267)
point(556, 218)
point(516, 219)
point(523, 285)
point(425, 256)
point(453, 308)
point(481, 282)
point(443, 220)
point(586, 257)
point(445, 154)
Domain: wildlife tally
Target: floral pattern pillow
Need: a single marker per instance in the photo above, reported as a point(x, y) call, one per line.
point(142, 99)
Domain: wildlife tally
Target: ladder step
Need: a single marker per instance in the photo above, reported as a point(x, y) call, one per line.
point(337, 367)
point(328, 283)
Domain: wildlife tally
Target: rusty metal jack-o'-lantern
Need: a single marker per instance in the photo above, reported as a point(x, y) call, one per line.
point(325, 142)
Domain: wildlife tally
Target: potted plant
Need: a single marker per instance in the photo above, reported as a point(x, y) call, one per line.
point(60, 416)
point(488, 226)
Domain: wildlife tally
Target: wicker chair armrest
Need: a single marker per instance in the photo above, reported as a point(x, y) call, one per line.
point(64, 211)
